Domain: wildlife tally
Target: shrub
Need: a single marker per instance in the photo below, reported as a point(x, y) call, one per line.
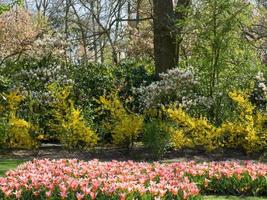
point(16, 132)
point(19, 134)
point(175, 86)
point(91, 81)
point(192, 132)
point(76, 132)
point(259, 94)
point(132, 74)
point(124, 125)
point(4, 84)
point(68, 122)
point(248, 131)
point(3, 132)
point(156, 137)
point(178, 87)
point(32, 77)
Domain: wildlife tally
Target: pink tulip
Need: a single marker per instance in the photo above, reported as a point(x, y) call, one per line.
point(79, 196)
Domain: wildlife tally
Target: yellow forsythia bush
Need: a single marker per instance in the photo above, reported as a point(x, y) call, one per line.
point(125, 126)
point(18, 130)
point(76, 133)
point(192, 132)
point(19, 134)
point(247, 131)
point(68, 122)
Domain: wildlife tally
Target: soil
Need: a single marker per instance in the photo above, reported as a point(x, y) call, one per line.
point(137, 154)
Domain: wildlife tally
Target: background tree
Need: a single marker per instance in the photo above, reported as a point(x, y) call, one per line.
point(17, 34)
point(164, 37)
point(218, 50)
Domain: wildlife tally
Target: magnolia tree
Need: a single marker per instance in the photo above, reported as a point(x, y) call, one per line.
point(21, 34)
point(17, 33)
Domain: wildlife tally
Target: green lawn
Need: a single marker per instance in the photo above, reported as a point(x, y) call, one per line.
point(234, 198)
point(6, 164)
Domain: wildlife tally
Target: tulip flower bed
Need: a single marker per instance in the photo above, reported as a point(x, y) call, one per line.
point(74, 179)
point(227, 178)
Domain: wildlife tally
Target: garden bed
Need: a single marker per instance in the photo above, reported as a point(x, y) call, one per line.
point(74, 179)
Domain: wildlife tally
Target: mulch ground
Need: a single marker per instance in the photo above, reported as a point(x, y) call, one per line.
point(137, 154)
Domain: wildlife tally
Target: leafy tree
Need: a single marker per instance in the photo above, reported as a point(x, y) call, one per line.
point(219, 52)
point(7, 7)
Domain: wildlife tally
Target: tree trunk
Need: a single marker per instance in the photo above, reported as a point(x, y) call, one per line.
point(164, 39)
point(94, 32)
point(138, 7)
point(66, 21)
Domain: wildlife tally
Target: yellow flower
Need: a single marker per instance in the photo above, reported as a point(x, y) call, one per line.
point(247, 131)
point(125, 126)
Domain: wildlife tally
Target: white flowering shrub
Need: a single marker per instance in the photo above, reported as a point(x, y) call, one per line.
point(259, 95)
point(32, 77)
point(38, 76)
point(174, 87)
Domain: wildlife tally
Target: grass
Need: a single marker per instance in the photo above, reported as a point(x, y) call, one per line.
point(7, 164)
point(233, 198)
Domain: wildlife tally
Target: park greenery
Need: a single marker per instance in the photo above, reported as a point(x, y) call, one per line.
point(214, 97)
point(159, 75)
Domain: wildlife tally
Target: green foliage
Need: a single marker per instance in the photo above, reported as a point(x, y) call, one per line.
point(224, 197)
point(4, 83)
point(3, 131)
point(242, 184)
point(132, 74)
point(94, 80)
point(4, 8)
point(220, 54)
point(8, 164)
point(7, 7)
point(156, 137)
point(91, 81)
